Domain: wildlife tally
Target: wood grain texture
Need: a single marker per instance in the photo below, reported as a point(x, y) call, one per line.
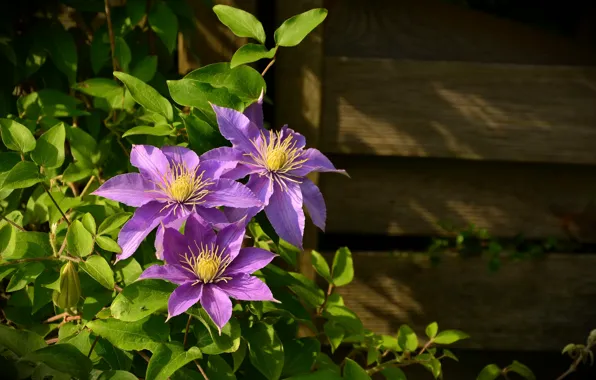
point(437, 30)
point(540, 304)
point(462, 110)
point(210, 41)
point(399, 196)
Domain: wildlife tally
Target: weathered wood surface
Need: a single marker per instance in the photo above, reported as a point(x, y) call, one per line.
point(437, 30)
point(528, 305)
point(211, 41)
point(461, 110)
point(397, 196)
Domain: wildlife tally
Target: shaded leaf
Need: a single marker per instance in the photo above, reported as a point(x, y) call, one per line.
point(158, 130)
point(145, 69)
point(165, 24)
point(522, 370)
point(265, 350)
point(21, 342)
point(168, 358)
point(300, 355)
point(490, 372)
point(49, 151)
point(64, 358)
point(352, 371)
point(146, 95)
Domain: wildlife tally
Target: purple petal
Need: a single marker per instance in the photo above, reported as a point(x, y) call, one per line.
point(314, 202)
point(175, 244)
point(132, 189)
point(213, 169)
point(217, 304)
point(290, 133)
point(150, 161)
point(246, 288)
point(249, 260)
point(230, 238)
point(317, 162)
point(197, 230)
point(254, 112)
point(179, 154)
point(144, 220)
point(183, 298)
point(171, 273)
point(262, 187)
point(226, 192)
point(285, 213)
point(241, 171)
point(213, 217)
point(223, 153)
point(170, 221)
point(236, 127)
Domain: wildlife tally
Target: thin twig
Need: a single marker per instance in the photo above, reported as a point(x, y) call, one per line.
point(56, 318)
point(52, 341)
point(13, 223)
point(87, 186)
point(29, 260)
point(268, 67)
point(93, 346)
point(430, 341)
point(575, 364)
point(143, 355)
point(56, 204)
point(115, 64)
point(186, 331)
point(201, 370)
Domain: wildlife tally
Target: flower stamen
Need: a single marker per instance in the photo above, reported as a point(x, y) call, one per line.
point(276, 155)
point(183, 186)
point(208, 263)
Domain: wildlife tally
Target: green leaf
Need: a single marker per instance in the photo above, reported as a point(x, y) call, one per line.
point(158, 130)
point(89, 223)
point(490, 372)
point(49, 151)
point(335, 334)
point(294, 29)
point(117, 375)
point(63, 52)
point(300, 355)
point(168, 358)
point(145, 69)
point(145, 334)
point(393, 373)
point(448, 354)
point(16, 136)
point(344, 317)
point(127, 271)
point(265, 350)
point(29, 245)
point(99, 52)
point(21, 342)
point(64, 358)
point(141, 299)
point(434, 366)
point(165, 24)
point(352, 371)
point(306, 289)
point(35, 59)
point(115, 357)
point(212, 341)
point(407, 339)
point(241, 23)
point(108, 244)
point(83, 146)
point(146, 95)
point(77, 171)
point(431, 330)
point(450, 336)
point(239, 355)
point(24, 275)
point(122, 53)
point(97, 86)
point(321, 266)
point(202, 136)
point(522, 370)
point(49, 102)
point(343, 267)
point(218, 369)
point(98, 268)
point(251, 53)
point(113, 222)
point(324, 374)
point(79, 241)
point(24, 174)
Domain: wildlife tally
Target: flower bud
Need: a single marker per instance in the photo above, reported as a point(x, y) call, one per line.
point(70, 287)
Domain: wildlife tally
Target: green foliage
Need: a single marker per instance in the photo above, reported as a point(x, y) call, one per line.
point(241, 23)
point(296, 28)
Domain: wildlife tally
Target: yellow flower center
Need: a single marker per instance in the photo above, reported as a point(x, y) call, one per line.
point(277, 155)
point(207, 263)
point(182, 186)
point(276, 159)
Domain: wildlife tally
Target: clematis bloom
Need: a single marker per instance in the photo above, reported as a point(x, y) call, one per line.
point(173, 183)
point(210, 268)
point(277, 163)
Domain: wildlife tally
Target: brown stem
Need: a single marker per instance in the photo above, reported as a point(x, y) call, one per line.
point(52, 341)
point(430, 341)
point(87, 186)
point(575, 364)
point(93, 346)
point(56, 204)
point(186, 331)
point(115, 65)
point(117, 288)
point(56, 318)
point(13, 223)
point(143, 355)
point(201, 370)
point(29, 260)
point(268, 67)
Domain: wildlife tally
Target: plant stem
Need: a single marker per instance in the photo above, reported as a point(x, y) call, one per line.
point(575, 364)
point(143, 355)
point(430, 341)
point(186, 331)
point(268, 67)
point(13, 223)
point(115, 65)
point(56, 317)
point(93, 346)
point(29, 260)
point(56, 204)
point(201, 370)
point(87, 186)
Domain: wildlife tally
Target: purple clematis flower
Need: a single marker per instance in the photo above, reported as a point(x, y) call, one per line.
point(173, 182)
point(210, 268)
point(277, 163)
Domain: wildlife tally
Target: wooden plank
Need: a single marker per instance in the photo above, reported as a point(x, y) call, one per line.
point(211, 40)
point(528, 305)
point(437, 30)
point(458, 109)
point(398, 196)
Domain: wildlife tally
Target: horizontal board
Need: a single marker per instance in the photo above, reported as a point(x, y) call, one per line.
point(408, 196)
point(528, 305)
point(459, 109)
point(437, 30)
